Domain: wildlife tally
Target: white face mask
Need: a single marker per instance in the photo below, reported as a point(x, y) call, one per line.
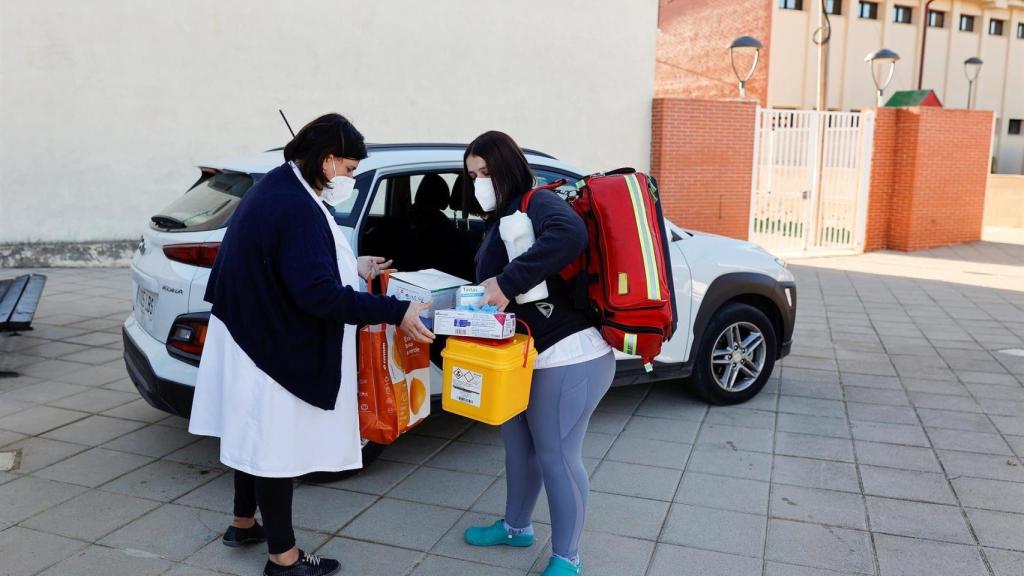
point(483, 189)
point(339, 189)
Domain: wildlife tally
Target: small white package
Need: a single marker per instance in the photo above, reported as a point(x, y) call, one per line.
point(494, 326)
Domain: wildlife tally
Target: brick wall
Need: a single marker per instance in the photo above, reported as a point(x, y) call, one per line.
point(693, 41)
point(928, 177)
point(702, 153)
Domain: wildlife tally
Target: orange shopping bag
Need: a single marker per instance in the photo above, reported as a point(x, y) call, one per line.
point(394, 382)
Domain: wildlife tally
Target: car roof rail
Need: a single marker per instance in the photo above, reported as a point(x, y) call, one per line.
point(424, 145)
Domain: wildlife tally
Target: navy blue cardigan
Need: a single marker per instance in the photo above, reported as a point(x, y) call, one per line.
point(275, 285)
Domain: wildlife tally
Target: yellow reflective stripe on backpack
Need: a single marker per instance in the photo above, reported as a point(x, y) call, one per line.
point(629, 343)
point(646, 240)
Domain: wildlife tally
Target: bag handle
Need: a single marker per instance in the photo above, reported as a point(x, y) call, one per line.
point(529, 341)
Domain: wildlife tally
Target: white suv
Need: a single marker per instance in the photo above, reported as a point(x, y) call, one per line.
point(736, 303)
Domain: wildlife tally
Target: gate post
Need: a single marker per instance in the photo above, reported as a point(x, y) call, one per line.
point(755, 170)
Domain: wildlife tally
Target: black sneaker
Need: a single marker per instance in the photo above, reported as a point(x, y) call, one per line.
point(308, 565)
point(236, 537)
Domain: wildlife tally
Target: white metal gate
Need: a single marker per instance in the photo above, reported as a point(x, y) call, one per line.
point(788, 214)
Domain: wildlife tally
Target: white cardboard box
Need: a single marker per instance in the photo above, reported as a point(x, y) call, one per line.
point(474, 324)
point(429, 285)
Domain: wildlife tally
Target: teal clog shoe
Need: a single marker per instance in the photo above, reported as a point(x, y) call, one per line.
point(562, 567)
point(496, 535)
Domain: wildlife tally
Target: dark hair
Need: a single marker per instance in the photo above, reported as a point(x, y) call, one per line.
point(329, 135)
point(509, 171)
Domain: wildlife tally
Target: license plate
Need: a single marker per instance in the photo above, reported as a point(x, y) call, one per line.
point(145, 304)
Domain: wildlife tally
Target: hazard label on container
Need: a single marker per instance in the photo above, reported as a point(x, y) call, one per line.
point(466, 386)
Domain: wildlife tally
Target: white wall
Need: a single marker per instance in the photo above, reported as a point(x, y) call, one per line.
point(106, 105)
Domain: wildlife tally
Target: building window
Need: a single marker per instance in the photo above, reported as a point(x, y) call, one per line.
point(834, 7)
point(936, 19)
point(791, 4)
point(869, 10)
point(1020, 30)
point(901, 14)
point(966, 23)
point(1014, 126)
point(995, 27)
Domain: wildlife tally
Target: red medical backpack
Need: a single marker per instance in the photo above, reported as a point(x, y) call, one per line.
point(624, 277)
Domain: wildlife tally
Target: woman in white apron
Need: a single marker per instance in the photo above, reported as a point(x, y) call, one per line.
point(277, 379)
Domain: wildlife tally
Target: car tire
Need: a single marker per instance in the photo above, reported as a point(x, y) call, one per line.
point(726, 371)
point(371, 451)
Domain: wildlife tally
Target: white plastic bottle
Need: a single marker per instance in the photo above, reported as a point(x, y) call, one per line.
point(516, 232)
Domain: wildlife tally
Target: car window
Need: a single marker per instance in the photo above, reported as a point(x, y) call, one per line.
point(207, 205)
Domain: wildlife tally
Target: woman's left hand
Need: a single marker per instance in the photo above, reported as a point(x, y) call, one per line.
point(373, 266)
point(493, 294)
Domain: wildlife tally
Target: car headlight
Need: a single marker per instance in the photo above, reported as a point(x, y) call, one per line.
point(781, 262)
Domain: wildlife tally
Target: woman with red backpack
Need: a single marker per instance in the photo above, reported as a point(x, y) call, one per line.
point(575, 366)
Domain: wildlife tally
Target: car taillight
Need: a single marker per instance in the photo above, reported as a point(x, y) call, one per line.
point(188, 335)
point(197, 254)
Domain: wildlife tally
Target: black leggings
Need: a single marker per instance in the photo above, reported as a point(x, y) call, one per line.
point(274, 497)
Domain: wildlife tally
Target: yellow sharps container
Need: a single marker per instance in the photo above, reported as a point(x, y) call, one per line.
point(487, 380)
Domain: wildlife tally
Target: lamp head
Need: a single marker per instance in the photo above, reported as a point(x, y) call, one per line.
point(972, 67)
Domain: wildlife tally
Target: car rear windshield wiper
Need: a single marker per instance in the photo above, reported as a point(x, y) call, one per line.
point(169, 222)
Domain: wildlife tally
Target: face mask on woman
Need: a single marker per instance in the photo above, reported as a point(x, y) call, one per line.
point(339, 189)
point(483, 189)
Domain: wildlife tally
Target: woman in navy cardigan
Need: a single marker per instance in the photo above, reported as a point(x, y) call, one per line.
point(277, 379)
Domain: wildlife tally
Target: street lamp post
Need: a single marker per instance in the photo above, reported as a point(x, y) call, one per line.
point(878, 61)
point(744, 45)
point(972, 67)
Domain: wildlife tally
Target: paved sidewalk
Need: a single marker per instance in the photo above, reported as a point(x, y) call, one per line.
point(889, 443)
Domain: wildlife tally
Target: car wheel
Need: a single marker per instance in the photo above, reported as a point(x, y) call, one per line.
point(371, 452)
point(736, 355)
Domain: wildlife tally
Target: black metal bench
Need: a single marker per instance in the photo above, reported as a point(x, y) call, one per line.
point(19, 298)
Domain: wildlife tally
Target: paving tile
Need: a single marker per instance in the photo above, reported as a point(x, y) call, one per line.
point(37, 453)
point(812, 406)
point(442, 487)
point(890, 434)
point(815, 474)
point(739, 416)
point(819, 546)
point(780, 569)
point(453, 545)
point(42, 392)
point(91, 515)
point(413, 449)
point(441, 566)
point(8, 437)
point(918, 520)
point(377, 479)
point(1016, 444)
point(162, 480)
point(171, 531)
point(27, 496)
point(325, 509)
point(94, 467)
point(906, 484)
point(94, 430)
point(680, 431)
point(186, 570)
point(817, 425)
point(492, 502)
point(887, 397)
point(218, 495)
point(998, 529)
point(912, 557)
point(881, 413)
point(443, 425)
point(636, 480)
point(596, 445)
point(991, 466)
point(482, 434)
point(1008, 425)
point(736, 438)
point(728, 462)
point(818, 506)
point(896, 456)
point(137, 410)
point(404, 524)
point(625, 515)
point(713, 529)
point(1005, 562)
point(990, 494)
point(51, 369)
point(672, 404)
point(935, 387)
point(26, 552)
point(955, 420)
point(95, 400)
point(204, 453)
point(154, 440)
point(968, 441)
point(668, 559)
point(608, 422)
point(723, 492)
point(830, 390)
point(109, 562)
point(820, 447)
point(368, 559)
point(475, 458)
point(944, 402)
point(636, 450)
point(249, 560)
point(38, 419)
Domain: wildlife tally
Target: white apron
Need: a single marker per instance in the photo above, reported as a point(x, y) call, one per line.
point(265, 430)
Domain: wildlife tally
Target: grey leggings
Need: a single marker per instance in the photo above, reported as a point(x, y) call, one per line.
point(545, 444)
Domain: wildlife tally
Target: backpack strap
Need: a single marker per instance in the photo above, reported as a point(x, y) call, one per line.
point(525, 202)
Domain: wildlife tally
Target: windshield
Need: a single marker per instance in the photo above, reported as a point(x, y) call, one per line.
point(207, 205)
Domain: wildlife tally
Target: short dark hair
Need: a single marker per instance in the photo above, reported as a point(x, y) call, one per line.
point(330, 134)
point(509, 171)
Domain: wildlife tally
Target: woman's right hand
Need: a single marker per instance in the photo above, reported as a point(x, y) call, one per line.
point(413, 326)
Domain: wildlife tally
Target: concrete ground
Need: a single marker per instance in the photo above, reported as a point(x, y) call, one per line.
point(889, 443)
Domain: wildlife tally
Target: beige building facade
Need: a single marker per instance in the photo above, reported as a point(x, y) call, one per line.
point(949, 30)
